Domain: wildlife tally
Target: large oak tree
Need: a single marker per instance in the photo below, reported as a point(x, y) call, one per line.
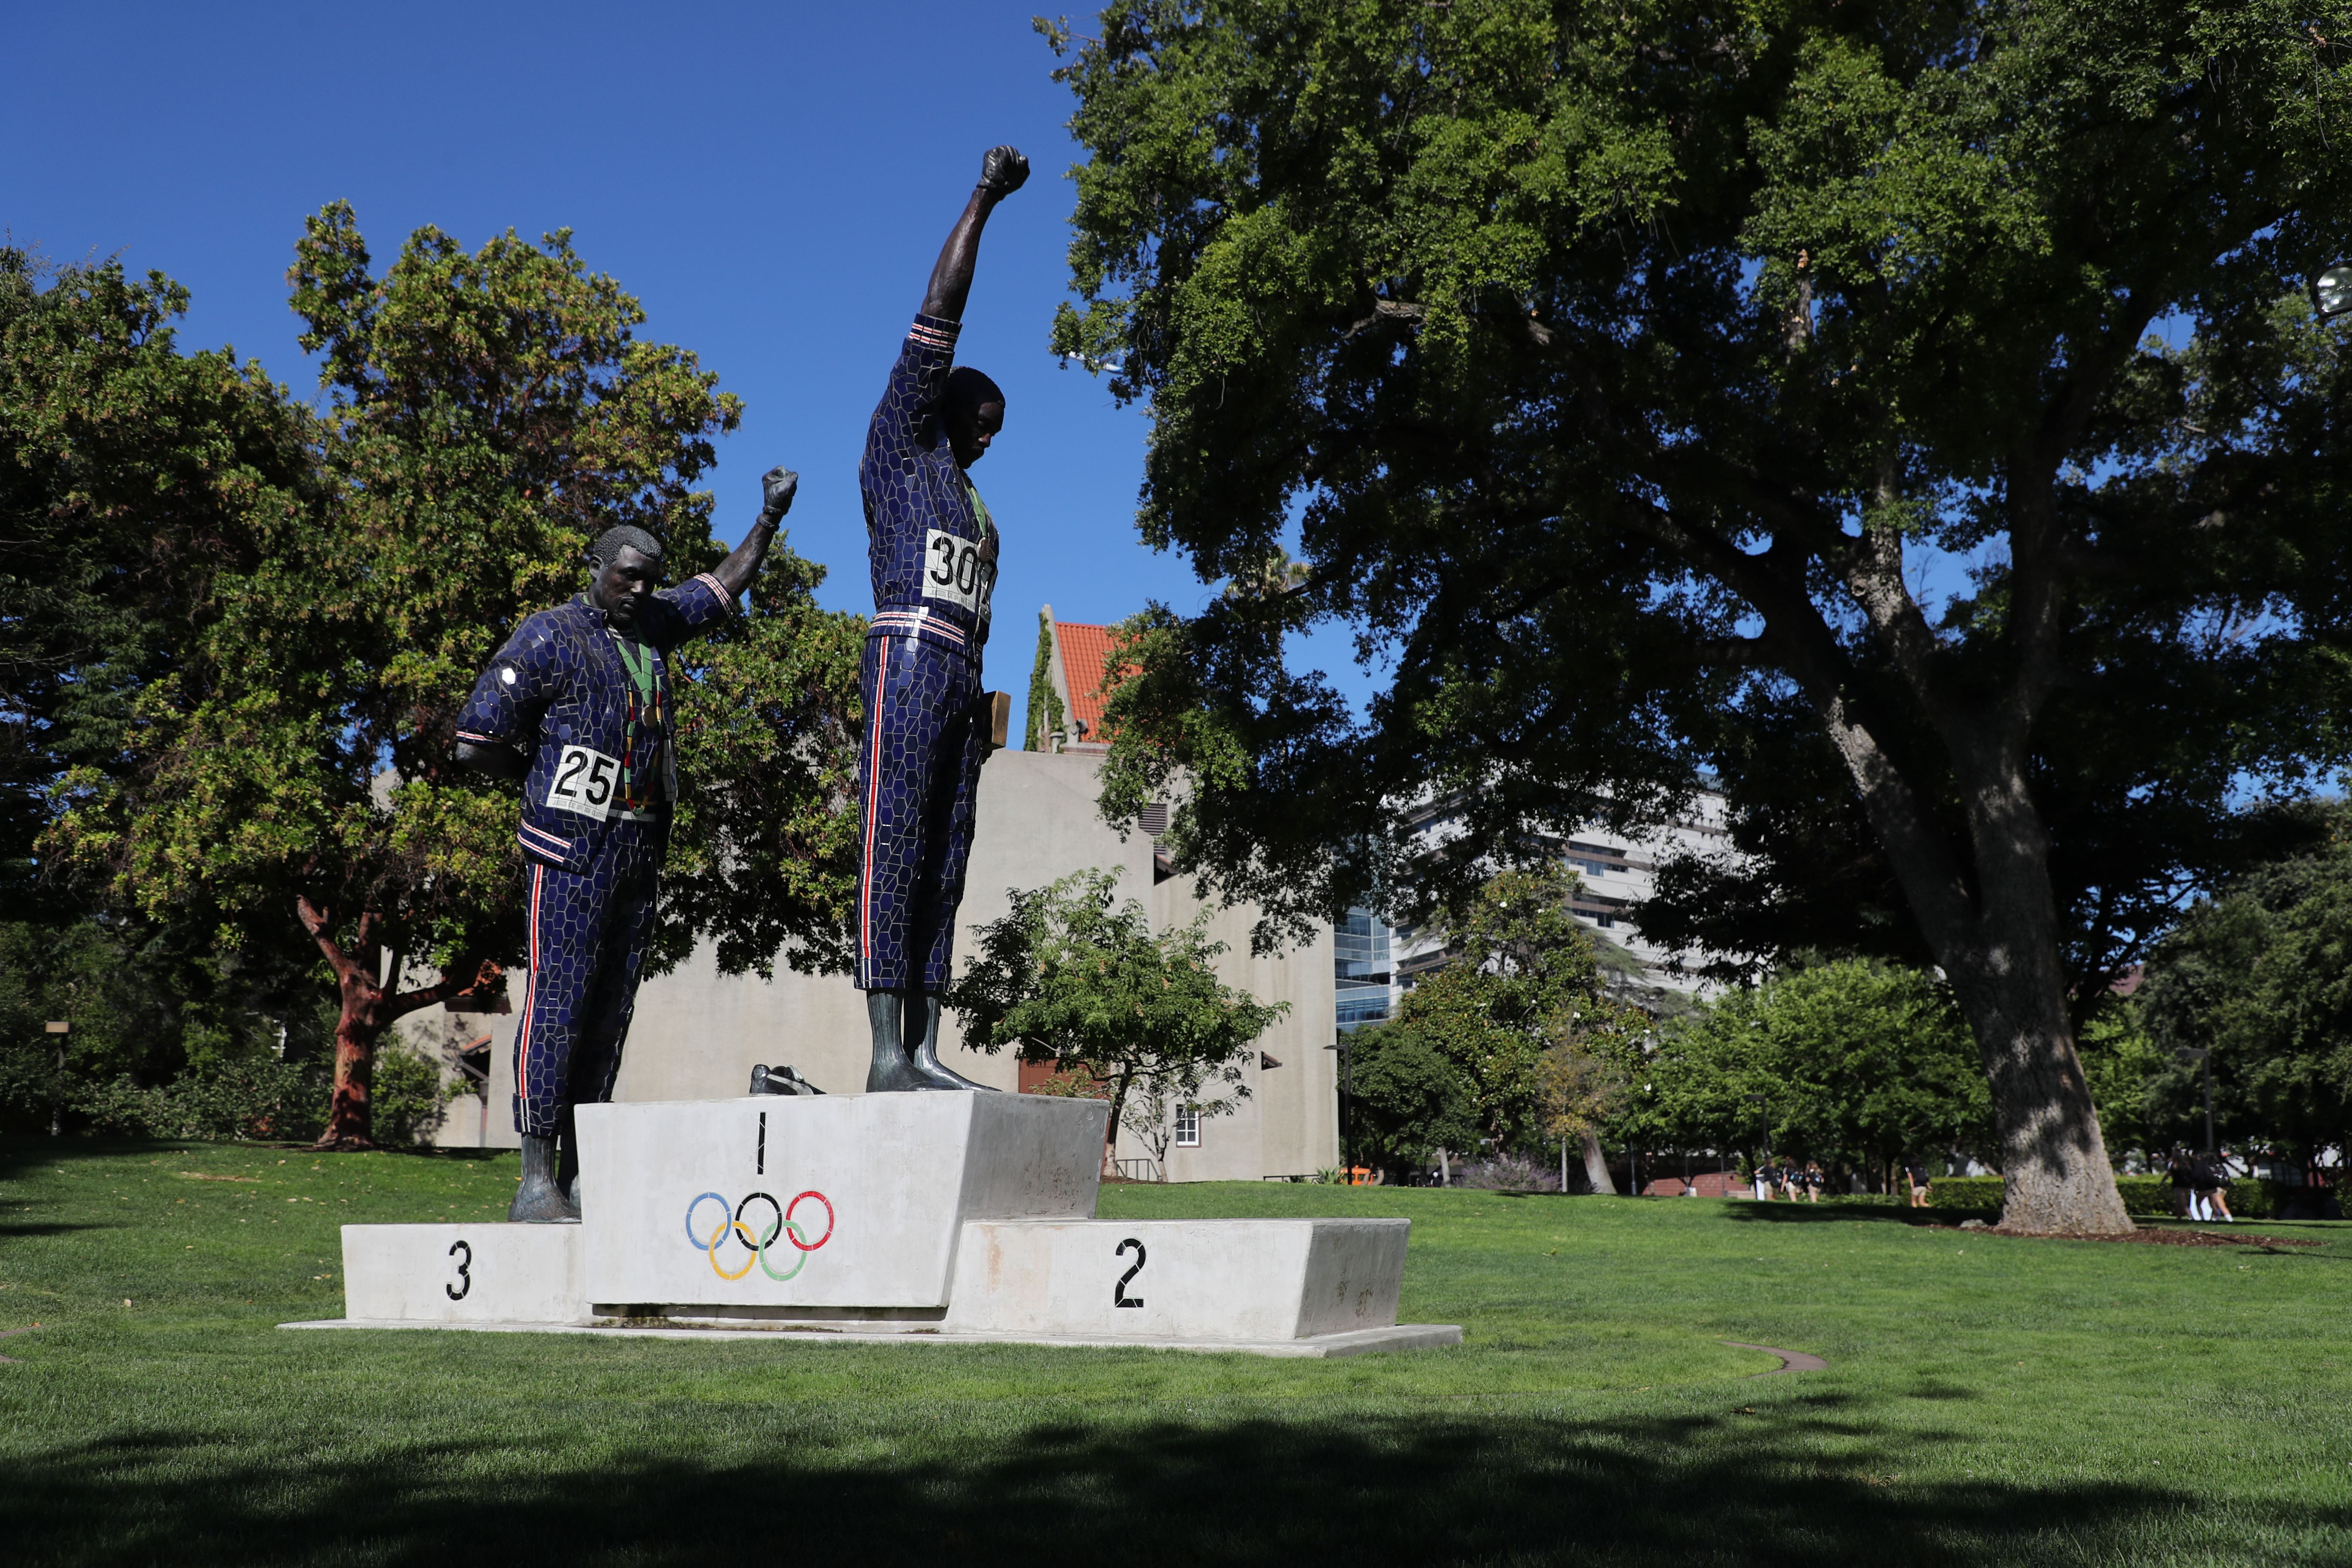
point(1643, 378)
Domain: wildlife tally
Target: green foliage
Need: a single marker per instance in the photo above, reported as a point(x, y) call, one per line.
point(1045, 717)
point(2119, 1058)
point(409, 1096)
point(132, 476)
point(1532, 307)
point(763, 845)
point(163, 1041)
point(1522, 982)
point(1625, 374)
point(258, 1097)
point(1073, 977)
point(2262, 975)
point(1409, 1099)
point(489, 412)
point(1965, 1192)
point(1856, 1058)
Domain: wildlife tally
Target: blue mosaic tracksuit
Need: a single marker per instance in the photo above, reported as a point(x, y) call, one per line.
point(933, 552)
point(594, 708)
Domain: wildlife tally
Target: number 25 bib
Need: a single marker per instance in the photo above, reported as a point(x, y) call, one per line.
point(584, 781)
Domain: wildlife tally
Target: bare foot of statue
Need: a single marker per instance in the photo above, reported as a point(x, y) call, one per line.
point(892, 1072)
point(924, 1050)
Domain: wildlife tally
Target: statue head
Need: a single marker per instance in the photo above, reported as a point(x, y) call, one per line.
point(625, 567)
point(971, 413)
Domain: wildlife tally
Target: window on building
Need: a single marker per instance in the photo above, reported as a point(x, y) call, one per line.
point(1188, 1127)
point(1359, 965)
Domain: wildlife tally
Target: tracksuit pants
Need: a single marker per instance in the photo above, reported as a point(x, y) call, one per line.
point(587, 935)
point(917, 773)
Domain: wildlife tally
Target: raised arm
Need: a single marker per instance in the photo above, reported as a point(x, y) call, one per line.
point(735, 572)
point(1003, 170)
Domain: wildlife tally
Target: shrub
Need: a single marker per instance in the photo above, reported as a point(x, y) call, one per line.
point(2144, 1197)
point(250, 1099)
point(1965, 1192)
point(407, 1093)
point(1511, 1172)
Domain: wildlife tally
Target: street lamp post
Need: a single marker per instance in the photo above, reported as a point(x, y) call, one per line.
point(61, 1028)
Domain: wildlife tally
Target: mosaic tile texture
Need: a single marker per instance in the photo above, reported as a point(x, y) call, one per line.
point(913, 488)
point(593, 710)
point(561, 682)
point(918, 774)
point(933, 551)
point(587, 938)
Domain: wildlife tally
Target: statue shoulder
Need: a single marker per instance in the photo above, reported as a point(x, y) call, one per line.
point(540, 631)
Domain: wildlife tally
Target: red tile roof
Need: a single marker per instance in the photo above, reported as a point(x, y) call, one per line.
point(1085, 653)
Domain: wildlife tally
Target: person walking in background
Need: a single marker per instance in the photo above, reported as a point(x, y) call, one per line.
point(1762, 1177)
point(2213, 1179)
point(2183, 1180)
point(1915, 1174)
point(1813, 1179)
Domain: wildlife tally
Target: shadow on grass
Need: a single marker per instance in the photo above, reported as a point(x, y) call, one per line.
point(1826, 1214)
point(13, 1231)
point(20, 1154)
point(1749, 1486)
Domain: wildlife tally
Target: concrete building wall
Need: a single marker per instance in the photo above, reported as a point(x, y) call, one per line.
point(697, 1033)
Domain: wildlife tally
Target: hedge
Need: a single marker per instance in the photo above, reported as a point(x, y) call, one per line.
point(2145, 1195)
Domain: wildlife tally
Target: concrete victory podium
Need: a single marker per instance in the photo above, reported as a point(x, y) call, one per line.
point(942, 1218)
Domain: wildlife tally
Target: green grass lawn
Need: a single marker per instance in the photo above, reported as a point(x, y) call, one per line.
point(1988, 1401)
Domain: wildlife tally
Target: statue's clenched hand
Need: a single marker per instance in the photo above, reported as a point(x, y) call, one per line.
point(1003, 170)
point(777, 486)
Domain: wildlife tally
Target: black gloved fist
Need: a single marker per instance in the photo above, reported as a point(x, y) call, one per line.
point(778, 485)
point(1003, 170)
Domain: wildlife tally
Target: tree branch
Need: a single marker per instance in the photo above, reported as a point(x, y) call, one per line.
point(486, 973)
point(320, 924)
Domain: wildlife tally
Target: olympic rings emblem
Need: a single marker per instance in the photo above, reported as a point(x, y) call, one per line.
point(730, 1221)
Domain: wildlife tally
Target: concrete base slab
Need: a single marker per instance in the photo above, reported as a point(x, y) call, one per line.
point(1185, 1279)
point(459, 1274)
point(1356, 1342)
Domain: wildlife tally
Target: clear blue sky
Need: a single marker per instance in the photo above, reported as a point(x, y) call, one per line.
point(772, 182)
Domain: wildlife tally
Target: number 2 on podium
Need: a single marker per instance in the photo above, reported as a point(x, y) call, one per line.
point(1118, 1296)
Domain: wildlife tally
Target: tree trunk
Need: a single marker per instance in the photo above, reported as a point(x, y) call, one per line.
point(369, 1007)
point(1596, 1163)
point(1110, 1131)
point(350, 1115)
point(350, 1121)
point(1994, 927)
point(2055, 1176)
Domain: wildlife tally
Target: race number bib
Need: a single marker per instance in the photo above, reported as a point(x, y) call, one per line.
point(584, 781)
point(954, 569)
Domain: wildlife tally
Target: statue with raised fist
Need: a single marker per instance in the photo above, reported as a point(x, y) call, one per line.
point(933, 551)
point(577, 706)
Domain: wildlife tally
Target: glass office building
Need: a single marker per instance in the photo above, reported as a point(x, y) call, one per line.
point(1359, 967)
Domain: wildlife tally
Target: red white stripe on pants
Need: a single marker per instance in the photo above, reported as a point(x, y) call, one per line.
point(873, 800)
point(531, 996)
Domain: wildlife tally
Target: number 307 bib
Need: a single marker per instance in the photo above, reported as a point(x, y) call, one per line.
point(584, 781)
point(954, 569)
